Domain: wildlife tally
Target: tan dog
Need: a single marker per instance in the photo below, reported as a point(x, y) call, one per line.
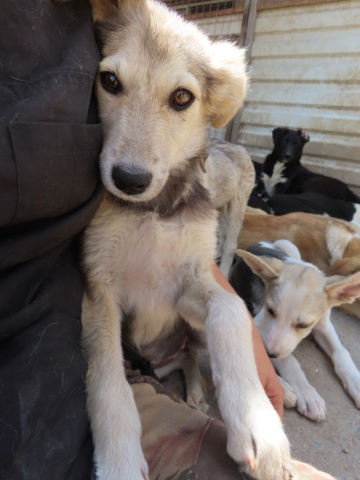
point(230, 178)
point(150, 249)
point(295, 300)
point(331, 244)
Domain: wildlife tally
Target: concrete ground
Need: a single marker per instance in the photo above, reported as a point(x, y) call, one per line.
point(334, 444)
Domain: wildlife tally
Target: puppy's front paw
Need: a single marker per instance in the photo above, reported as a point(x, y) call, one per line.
point(290, 398)
point(260, 446)
point(310, 404)
point(123, 461)
point(352, 386)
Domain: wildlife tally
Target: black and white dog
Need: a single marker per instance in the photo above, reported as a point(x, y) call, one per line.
point(283, 173)
point(283, 162)
point(311, 202)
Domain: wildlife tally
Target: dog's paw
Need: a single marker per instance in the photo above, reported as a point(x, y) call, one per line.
point(123, 471)
point(260, 445)
point(123, 461)
point(311, 404)
point(352, 387)
point(195, 397)
point(290, 398)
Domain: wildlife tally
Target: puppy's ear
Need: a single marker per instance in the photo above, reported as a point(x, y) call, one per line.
point(289, 248)
point(341, 290)
point(277, 133)
point(268, 269)
point(228, 83)
point(102, 10)
point(304, 136)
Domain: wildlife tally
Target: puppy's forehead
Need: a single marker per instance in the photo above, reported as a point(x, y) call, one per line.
point(148, 42)
point(155, 74)
point(303, 288)
point(292, 135)
point(303, 275)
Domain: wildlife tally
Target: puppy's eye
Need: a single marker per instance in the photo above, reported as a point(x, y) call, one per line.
point(271, 311)
point(301, 326)
point(110, 82)
point(181, 99)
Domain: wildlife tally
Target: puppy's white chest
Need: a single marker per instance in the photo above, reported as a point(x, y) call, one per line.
point(145, 259)
point(276, 177)
point(155, 253)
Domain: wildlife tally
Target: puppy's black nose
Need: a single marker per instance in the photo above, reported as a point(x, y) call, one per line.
point(131, 182)
point(273, 355)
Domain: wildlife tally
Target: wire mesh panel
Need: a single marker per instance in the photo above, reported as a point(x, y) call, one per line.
point(217, 19)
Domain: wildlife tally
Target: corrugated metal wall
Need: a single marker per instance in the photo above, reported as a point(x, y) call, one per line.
point(222, 26)
point(305, 69)
point(305, 65)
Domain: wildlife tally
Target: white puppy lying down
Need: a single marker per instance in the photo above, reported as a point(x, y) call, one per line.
point(292, 300)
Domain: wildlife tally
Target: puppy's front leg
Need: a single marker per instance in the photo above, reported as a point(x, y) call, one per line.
point(326, 336)
point(255, 436)
point(290, 399)
point(113, 415)
point(309, 403)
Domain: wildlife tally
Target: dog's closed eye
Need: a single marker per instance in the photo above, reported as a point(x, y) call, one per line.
point(271, 311)
point(302, 326)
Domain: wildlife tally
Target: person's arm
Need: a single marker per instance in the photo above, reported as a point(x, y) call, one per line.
point(267, 375)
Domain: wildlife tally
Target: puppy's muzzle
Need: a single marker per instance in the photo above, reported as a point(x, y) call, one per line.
point(273, 354)
point(289, 152)
point(131, 182)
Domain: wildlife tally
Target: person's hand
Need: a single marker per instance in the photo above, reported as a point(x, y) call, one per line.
point(266, 372)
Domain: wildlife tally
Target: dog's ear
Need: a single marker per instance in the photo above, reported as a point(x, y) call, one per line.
point(102, 10)
point(287, 247)
point(268, 269)
point(304, 136)
point(277, 133)
point(228, 82)
point(341, 290)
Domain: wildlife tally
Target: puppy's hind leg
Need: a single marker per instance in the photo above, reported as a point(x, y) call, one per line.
point(326, 336)
point(165, 370)
point(193, 380)
point(188, 362)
